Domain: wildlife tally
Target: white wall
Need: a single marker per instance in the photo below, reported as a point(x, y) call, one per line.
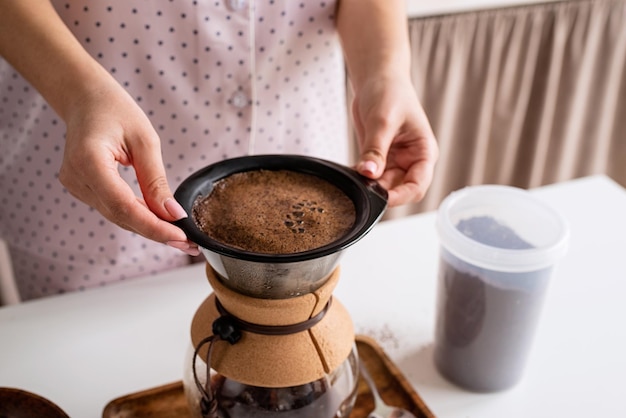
point(418, 8)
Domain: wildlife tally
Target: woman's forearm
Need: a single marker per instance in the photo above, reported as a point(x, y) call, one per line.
point(36, 42)
point(374, 36)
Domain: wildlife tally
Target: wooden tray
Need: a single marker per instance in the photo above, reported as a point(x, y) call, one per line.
point(169, 401)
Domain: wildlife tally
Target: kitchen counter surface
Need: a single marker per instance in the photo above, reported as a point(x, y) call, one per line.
point(82, 350)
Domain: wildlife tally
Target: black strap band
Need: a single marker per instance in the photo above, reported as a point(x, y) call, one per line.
point(242, 325)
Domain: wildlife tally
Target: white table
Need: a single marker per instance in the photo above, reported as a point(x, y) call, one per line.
point(84, 349)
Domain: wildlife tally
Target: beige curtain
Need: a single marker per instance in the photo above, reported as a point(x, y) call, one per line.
point(523, 96)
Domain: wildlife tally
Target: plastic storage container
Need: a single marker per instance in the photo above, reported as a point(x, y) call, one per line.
point(498, 249)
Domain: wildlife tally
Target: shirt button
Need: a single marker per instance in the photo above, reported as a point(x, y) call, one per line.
point(239, 99)
point(237, 4)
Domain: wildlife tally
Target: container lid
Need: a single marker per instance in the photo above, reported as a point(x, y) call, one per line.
point(501, 228)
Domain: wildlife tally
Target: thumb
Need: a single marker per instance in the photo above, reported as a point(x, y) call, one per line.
point(373, 155)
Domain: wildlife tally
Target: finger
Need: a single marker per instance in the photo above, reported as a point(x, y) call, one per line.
point(96, 181)
point(148, 164)
point(378, 135)
point(410, 186)
point(120, 205)
point(158, 198)
point(123, 217)
point(187, 247)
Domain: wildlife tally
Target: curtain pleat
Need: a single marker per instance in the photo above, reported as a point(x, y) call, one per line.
point(524, 96)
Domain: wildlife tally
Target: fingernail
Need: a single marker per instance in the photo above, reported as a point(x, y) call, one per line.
point(184, 247)
point(175, 209)
point(368, 166)
point(179, 245)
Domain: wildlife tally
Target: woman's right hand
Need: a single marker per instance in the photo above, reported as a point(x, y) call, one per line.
point(105, 127)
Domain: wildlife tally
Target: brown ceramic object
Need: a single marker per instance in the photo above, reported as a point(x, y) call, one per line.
point(18, 403)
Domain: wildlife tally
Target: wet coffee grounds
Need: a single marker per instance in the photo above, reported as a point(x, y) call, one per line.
point(274, 212)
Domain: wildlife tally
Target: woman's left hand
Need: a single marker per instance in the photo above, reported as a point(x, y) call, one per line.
point(397, 144)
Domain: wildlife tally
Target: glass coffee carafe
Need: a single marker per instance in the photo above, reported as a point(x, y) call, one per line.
point(330, 396)
point(297, 359)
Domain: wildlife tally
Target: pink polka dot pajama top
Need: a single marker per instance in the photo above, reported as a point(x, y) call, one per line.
point(218, 79)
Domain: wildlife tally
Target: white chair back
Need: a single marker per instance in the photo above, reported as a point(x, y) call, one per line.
point(9, 294)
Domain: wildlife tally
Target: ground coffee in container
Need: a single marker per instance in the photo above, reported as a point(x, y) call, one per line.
point(499, 246)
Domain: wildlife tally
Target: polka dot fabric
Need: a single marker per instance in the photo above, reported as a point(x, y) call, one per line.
point(218, 79)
